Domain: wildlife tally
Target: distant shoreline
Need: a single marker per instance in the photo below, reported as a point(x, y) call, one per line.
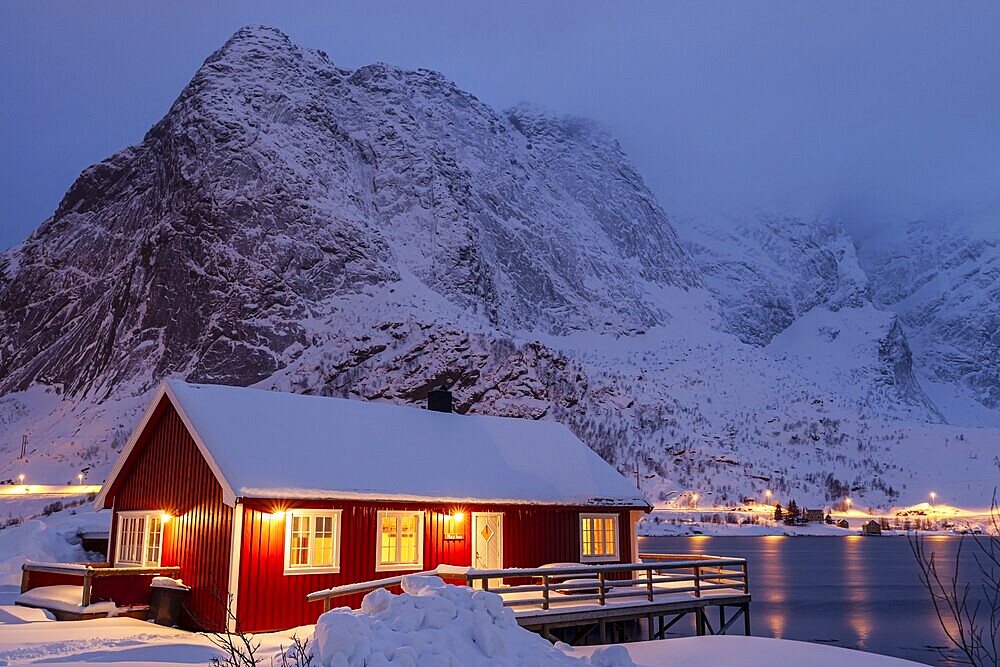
point(921, 519)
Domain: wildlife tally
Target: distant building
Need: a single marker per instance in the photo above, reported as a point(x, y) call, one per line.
point(871, 528)
point(813, 515)
point(843, 524)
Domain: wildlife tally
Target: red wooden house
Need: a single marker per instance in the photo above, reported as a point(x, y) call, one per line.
point(261, 497)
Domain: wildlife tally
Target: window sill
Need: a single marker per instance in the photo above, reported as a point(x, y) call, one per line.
point(599, 559)
point(402, 567)
point(139, 565)
point(311, 570)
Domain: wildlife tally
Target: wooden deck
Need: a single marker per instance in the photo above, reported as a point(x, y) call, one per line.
point(132, 581)
point(651, 596)
point(653, 619)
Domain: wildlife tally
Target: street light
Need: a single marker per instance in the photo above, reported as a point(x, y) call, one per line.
point(694, 499)
point(767, 494)
point(20, 478)
point(79, 478)
point(847, 501)
point(933, 496)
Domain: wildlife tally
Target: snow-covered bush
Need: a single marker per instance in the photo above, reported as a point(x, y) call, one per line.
point(434, 623)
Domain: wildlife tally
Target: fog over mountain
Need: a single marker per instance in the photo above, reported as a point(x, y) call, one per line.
point(872, 114)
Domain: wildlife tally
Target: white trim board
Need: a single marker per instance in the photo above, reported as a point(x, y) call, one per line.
point(235, 549)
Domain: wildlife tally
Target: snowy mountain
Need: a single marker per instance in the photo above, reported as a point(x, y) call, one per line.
point(374, 232)
point(277, 182)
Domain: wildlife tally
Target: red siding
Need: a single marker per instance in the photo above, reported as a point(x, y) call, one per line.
point(166, 472)
point(39, 579)
point(270, 600)
point(125, 591)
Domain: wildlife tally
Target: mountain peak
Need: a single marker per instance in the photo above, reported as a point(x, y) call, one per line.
point(278, 186)
point(253, 53)
point(258, 35)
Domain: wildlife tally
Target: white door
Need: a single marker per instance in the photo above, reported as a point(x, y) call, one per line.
point(487, 542)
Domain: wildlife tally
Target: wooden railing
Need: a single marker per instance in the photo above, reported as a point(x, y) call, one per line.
point(443, 571)
point(658, 575)
point(90, 571)
point(665, 575)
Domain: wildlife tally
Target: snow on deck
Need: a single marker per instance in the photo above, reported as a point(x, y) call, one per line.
point(66, 598)
point(560, 603)
point(284, 445)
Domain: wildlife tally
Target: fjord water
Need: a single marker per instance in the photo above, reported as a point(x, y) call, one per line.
point(855, 592)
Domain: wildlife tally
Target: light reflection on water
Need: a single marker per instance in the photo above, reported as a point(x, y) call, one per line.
point(856, 592)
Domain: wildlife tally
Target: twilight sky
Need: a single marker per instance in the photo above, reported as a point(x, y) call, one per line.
point(875, 112)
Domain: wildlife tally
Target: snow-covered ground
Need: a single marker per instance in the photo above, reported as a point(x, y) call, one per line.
point(736, 651)
point(430, 623)
point(53, 538)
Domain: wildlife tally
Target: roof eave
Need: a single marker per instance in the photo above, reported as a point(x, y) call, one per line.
point(164, 390)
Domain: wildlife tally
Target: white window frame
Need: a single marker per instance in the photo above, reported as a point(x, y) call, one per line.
point(397, 567)
point(601, 558)
point(313, 569)
point(145, 516)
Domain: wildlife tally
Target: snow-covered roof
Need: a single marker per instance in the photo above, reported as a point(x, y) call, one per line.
point(268, 444)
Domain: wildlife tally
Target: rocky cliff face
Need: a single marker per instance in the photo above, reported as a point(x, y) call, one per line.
point(278, 182)
point(773, 274)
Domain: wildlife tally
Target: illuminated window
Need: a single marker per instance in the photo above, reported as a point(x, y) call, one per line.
point(400, 541)
point(139, 541)
point(598, 537)
point(312, 541)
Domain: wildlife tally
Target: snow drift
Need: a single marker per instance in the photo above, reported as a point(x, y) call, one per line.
point(434, 623)
point(55, 538)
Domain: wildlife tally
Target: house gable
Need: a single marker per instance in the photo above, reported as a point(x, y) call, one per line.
point(163, 400)
point(166, 473)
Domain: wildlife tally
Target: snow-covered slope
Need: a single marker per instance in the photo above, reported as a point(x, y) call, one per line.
point(371, 233)
point(799, 280)
point(768, 270)
point(943, 279)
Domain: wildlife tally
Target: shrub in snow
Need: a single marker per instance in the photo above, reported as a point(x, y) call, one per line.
point(434, 623)
point(57, 506)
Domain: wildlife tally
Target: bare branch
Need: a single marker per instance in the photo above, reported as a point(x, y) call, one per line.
point(970, 622)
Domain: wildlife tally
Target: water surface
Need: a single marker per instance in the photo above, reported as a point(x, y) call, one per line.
point(856, 592)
